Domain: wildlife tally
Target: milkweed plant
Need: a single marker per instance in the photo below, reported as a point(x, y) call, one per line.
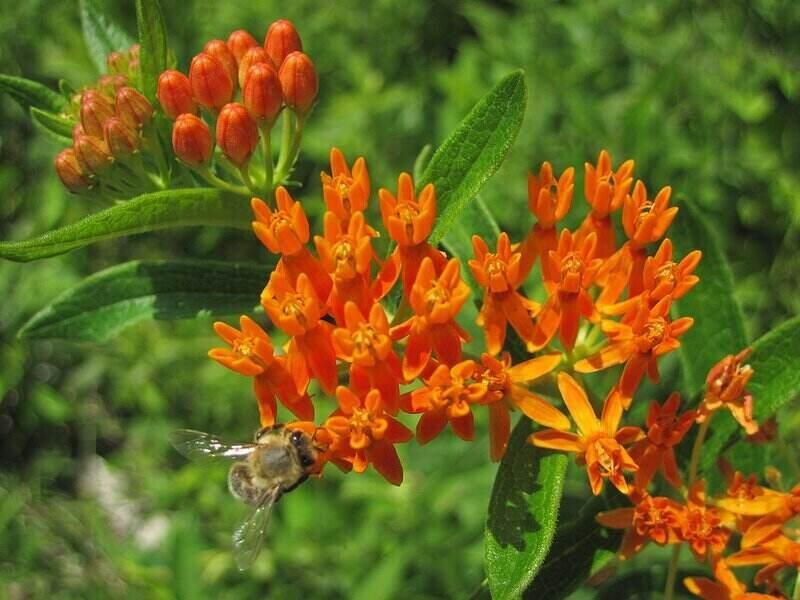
point(368, 306)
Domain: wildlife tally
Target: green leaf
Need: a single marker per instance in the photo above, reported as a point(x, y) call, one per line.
point(103, 304)
point(776, 381)
point(153, 42)
point(580, 548)
point(102, 37)
point(718, 327)
point(30, 93)
point(56, 124)
point(475, 219)
point(149, 212)
point(422, 160)
point(475, 150)
point(522, 513)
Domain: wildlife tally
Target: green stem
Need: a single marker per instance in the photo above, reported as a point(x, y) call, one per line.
point(244, 171)
point(266, 150)
point(796, 593)
point(286, 140)
point(288, 159)
point(694, 464)
point(206, 174)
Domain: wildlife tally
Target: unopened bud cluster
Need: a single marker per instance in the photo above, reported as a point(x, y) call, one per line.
point(236, 90)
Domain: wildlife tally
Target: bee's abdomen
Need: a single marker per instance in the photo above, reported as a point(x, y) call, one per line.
point(241, 483)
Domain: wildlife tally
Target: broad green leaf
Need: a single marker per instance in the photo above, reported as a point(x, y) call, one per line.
point(103, 304)
point(153, 42)
point(523, 512)
point(149, 212)
point(718, 327)
point(422, 160)
point(60, 126)
point(475, 150)
point(581, 547)
point(30, 93)
point(776, 381)
point(102, 37)
point(475, 219)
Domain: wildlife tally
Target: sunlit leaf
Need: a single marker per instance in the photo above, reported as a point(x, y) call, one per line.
point(102, 36)
point(56, 124)
point(153, 42)
point(103, 304)
point(32, 94)
point(149, 212)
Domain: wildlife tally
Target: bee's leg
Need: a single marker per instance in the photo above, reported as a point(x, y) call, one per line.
point(294, 485)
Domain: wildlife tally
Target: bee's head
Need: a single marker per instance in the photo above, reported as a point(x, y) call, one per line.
point(304, 447)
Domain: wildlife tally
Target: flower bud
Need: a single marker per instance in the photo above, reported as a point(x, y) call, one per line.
point(191, 140)
point(133, 52)
point(239, 42)
point(282, 39)
point(133, 107)
point(77, 130)
point(212, 88)
point(252, 57)
point(219, 50)
point(120, 138)
point(237, 133)
point(70, 173)
point(298, 82)
point(262, 93)
point(92, 154)
point(109, 84)
point(95, 111)
point(117, 63)
point(175, 94)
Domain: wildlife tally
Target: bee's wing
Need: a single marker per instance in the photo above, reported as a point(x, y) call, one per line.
point(199, 446)
point(249, 536)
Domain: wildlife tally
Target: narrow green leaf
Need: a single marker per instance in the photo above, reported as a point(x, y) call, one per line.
point(153, 42)
point(102, 37)
point(581, 547)
point(30, 93)
point(475, 150)
point(523, 512)
point(103, 304)
point(718, 327)
point(66, 89)
point(776, 381)
point(60, 126)
point(421, 162)
point(149, 212)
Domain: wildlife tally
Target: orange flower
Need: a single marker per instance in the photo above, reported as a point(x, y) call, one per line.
point(500, 275)
point(285, 232)
point(251, 354)
point(367, 345)
point(605, 191)
point(725, 385)
point(701, 525)
point(599, 443)
point(568, 299)
point(747, 500)
point(365, 434)
point(726, 586)
point(409, 222)
point(765, 544)
point(298, 311)
point(656, 452)
point(650, 519)
point(505, 394)
point(347, 256)
point(447, 396)
point(345, 191)
point(550, 200)
point(643, 335)
point(433, 328)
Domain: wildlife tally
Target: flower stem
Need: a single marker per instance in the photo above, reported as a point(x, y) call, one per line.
point(206, 174)
point(694, 464)
point(266, 150)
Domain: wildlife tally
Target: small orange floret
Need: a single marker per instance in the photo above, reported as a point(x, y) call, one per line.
point(725, 386)
point(701, 525)
point(499, 274)
point(647, 221)
point(661, 276)
point(599, 443)
point(364, 434)
point(345, 191)
point(433, 328)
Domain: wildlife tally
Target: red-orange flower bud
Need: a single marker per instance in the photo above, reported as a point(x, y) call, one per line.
point(262, 93)
point(133, 52)
point(121, 139)
point(298, 82)
point(95, 111)
point(109, 84)
point(212, 87)
point(117, 63)
point(133, 107)
point(191, 140)
point(252, 57)
point(219, 49)
point(70, 172)
point(175, 94)
point(237, 133)
point(282, 39)
point(239, 42)
point(92, 154)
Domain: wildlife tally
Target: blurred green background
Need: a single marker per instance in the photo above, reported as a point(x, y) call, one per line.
point(94, 503)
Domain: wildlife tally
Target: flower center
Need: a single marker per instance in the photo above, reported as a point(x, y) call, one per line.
point(342, 183)
point(436, 295)
point(654, 332)
point(345, 259)
point(407, 213)
point(608, 461)
point(244, 347)
point(293, 306)
point(365, 338)
point(666, 274)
